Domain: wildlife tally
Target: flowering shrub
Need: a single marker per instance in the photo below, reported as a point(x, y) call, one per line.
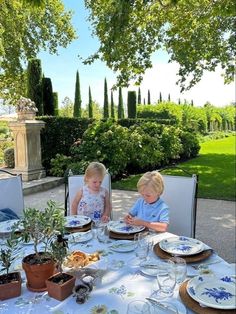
point(26, 105)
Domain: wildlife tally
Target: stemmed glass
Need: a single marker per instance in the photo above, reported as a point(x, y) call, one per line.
point(138, 307)
point(165, 280)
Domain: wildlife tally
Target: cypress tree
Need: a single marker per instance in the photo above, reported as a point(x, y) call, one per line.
point(149, 98)
point(48, 107)
point(121, 113)
point(78, 101)
point(55, 104)
point(168, 97)
point(144, 101)
point(34, 84)
point(131, 104)
point(192, 103)
point(160, 97)
point(139, 96)
point(112, 106)
point(179, 101)
point(90, 105)
point(105, 104)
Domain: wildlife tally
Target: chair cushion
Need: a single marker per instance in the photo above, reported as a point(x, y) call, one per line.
point(7, 214)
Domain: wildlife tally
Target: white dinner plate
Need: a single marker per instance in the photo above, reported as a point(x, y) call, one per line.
point(6, 226)
point(77, 221)
point(181, 246)
point(123, 246)
point(150, 269)
point(123, 228)
point(219, 293)
point(80, 237)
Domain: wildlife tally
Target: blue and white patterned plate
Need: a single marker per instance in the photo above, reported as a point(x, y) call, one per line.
point(6, 226)
point(181, 246)
point(123, 228)
point(218, 293)
point(77, 221)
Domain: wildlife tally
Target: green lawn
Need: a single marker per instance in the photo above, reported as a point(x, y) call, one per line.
point(215, 167)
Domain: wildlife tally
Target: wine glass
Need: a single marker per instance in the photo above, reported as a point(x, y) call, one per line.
point(180, 268)
point(138, 307)
point(165, 280)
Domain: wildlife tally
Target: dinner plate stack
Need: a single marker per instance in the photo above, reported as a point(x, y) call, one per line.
point(78, 223)
point(192, 250)
point(208, 294)
point(120, 230)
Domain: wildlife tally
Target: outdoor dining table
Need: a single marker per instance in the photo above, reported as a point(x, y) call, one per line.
point(120, 283)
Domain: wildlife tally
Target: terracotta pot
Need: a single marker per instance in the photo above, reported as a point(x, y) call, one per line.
point(37, 274)
point(60, 290)
point(10, 289)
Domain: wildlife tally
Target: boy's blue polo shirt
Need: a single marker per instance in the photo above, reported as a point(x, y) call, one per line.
point(155, 212)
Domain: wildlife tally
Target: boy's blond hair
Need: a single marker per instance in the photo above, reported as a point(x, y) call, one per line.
point(153, 180)
point(95, 168)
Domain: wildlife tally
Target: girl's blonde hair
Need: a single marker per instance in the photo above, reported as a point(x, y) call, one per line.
point(153, 180)
point(94, 168)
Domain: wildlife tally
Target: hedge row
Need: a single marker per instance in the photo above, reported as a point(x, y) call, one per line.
point(127, 150)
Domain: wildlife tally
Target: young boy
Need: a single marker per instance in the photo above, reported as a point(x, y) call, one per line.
point(150, 210)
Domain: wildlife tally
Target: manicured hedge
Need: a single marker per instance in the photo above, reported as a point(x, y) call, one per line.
point(59, 134)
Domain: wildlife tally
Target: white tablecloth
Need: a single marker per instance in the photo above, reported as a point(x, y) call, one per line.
point(113, 292)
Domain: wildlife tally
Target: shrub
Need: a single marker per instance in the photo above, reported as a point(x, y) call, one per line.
point(9, 158)
point(190, 145)
point(59, 164)
point(106, 142)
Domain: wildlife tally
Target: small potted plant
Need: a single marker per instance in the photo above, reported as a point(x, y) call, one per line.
point(41, 227)
point(26, 109)
point(10, 282)
point(60, 285)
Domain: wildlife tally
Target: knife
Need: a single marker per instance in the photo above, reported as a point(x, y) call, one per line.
point(162, 306)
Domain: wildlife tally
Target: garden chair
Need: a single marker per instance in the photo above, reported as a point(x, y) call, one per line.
point(180, 194)
point(11, 195)
point(75, 182)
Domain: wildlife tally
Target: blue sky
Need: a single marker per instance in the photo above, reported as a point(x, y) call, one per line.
point(162, 77)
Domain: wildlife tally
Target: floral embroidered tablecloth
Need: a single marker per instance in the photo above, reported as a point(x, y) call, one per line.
point(121, 283)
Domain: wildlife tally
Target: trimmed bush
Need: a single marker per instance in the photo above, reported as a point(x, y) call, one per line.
point(9, 157)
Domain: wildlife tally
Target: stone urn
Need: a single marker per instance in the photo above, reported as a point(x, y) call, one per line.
point(26, 109)
point(25, 115)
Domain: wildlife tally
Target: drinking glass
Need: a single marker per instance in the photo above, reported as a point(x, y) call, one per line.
point(141, 246)
point(165, 280)
point(138, 307)
point(103, 233)
point(180, 268)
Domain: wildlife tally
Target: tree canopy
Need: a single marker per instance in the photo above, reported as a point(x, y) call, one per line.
point(198, 34)
point(26, 28)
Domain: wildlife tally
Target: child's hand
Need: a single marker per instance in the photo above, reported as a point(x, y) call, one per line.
point(104, 218)
point(128, 219)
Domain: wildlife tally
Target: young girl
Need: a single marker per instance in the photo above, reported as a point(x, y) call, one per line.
point(92, 199)
point(149, 211)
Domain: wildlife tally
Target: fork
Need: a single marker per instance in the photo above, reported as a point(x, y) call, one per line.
point(197, 267)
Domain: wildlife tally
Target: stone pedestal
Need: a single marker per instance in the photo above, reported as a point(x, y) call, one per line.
point(27, 149)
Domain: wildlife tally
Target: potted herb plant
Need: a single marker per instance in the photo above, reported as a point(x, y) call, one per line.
point(60, 285)
point(41, 227)
point(10, 282)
